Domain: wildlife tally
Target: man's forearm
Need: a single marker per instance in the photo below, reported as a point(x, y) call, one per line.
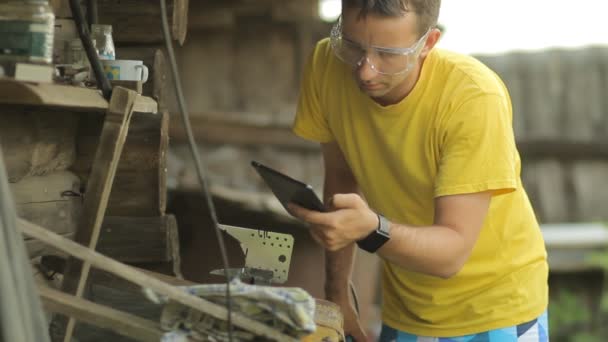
point(338, 264)
point(434, 250)
point(338, 270)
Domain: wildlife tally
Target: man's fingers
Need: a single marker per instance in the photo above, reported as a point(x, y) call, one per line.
point(345, 201)
point(310, 216)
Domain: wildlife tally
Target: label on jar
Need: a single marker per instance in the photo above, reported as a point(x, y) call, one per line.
point(26, 39)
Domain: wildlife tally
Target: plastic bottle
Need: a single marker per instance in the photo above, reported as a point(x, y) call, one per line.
point(102, 34)
point(26, 31)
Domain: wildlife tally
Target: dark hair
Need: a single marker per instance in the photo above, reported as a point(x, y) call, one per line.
point(426, 10)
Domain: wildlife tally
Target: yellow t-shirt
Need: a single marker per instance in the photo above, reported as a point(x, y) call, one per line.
point(451, 135)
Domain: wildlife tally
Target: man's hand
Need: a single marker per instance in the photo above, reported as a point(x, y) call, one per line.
point(350, 220)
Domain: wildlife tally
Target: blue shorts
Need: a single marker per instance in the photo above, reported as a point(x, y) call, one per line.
point(536, 330)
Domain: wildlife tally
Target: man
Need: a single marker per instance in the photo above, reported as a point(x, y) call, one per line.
point(421, 168)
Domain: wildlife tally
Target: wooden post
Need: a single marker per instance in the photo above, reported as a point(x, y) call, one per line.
point(113, 136)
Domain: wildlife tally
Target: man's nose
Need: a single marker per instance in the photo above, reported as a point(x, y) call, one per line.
point(365, 69)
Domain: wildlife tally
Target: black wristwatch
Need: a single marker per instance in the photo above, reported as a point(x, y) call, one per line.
point(378, 237)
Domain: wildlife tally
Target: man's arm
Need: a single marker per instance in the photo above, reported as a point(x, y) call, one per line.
point(338, 263)
point(443, 248)
point(440, 249)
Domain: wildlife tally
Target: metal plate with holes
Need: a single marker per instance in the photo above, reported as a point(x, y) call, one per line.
point(264, 250)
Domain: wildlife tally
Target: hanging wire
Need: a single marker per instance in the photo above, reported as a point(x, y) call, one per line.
point(83, 32)
point(198, 163)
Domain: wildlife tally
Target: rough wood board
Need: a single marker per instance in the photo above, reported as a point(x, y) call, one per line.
point(126, 324)
point(163, 150)
point(62, 96)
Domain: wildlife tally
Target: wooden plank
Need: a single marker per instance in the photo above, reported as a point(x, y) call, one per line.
point(61, 96)
point(139, 239)
point(113, 136)
point(163, 173)
point(126, 324)
point(180, 20)
point(138, 21)
point(133, 275)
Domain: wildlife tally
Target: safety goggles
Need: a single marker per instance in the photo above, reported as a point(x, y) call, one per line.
point(384, 60)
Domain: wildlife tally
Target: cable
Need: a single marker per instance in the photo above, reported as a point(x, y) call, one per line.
point(92, 12)
point(197, 159)
point(102, 81)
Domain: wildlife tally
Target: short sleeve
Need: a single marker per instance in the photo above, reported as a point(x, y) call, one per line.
point(477, 151)
point(310, 121)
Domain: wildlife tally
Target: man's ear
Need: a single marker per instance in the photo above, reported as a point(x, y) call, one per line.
point(431, 40)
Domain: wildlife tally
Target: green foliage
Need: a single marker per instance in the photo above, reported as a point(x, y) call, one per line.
point(568, 316)
point(571, 320)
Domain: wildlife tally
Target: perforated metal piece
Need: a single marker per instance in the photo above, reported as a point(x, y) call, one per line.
point(264, 250)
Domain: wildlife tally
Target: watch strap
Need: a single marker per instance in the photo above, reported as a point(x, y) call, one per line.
point(377, 238)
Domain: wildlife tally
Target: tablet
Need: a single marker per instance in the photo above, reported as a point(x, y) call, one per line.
point(289, 190)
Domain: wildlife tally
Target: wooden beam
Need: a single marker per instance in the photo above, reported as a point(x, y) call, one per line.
point(113, 136)
point(145, 281)
point(99, 315)
point(239, 129)
point(62, 96)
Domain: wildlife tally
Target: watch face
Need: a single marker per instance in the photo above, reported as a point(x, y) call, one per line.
point(385, 225)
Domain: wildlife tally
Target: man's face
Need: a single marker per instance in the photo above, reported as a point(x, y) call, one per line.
point(389, 32)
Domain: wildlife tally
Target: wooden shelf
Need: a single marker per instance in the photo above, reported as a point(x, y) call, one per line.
point(62, 96)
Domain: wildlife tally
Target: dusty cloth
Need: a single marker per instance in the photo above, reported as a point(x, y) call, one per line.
point(288, 310)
